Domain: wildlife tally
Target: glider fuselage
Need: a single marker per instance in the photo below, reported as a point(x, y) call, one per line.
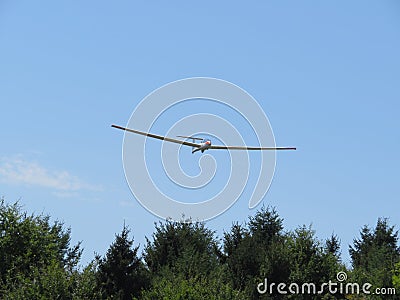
point(205, 144)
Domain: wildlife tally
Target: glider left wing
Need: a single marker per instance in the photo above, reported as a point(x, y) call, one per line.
point(160, 137)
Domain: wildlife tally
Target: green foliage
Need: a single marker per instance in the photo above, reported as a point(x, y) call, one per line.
point(184, 260)
point(172, 286)
point(332, 245)
point(86, 286)
point(311, 262)
point(375, 254)
point(48, 282)
point(262, 250)
point(36, 260)
point(396, 276)
point(306, 257)
point(241, 256)
point(255, 252)
point(186, 247)
point(121, 274)
point(266, 226)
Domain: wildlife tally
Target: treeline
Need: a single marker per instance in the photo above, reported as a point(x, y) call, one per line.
point(185, 260)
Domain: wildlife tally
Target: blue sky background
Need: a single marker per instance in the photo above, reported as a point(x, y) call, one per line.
point(326, 73)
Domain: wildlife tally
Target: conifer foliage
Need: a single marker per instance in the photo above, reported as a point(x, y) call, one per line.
point(186, 260)
point(121, 274)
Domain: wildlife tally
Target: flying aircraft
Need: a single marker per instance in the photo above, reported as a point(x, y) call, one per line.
point(203, 145)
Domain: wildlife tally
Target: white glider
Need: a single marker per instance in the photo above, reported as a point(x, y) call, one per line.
point(204, 144)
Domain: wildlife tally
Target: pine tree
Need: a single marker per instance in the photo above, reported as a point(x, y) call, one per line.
point(375, 254)
point(121, 274)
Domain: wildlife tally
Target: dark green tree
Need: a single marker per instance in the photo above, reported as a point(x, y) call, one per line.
point(256, 252)
point(332, 245)
point(240, 256)
point(332, 262)
point(188, 247)
point(36, 259)
point(185, 262)
point(121, 274)
point(266, 225)
point(270, 245)
point(313, 262)
point(86, 285)
point(375, 254)
point(264, 250)
point(173, 286)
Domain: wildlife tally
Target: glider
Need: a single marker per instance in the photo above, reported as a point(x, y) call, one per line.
point(204, 144)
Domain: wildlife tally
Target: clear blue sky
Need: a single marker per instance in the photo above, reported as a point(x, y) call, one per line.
point(327, 74)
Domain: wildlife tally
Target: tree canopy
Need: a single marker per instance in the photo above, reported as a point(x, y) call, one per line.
point(36, 258)
point(186, 260)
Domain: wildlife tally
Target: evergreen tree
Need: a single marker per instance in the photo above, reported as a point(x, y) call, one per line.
point(263, 250)
point(184, 261)
point(311, 262)
point(239, 256)
point(266, 225)
point(332, 245)
point(121, 274)
point(185, 246)
point(256, 252)
point(375, 254)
